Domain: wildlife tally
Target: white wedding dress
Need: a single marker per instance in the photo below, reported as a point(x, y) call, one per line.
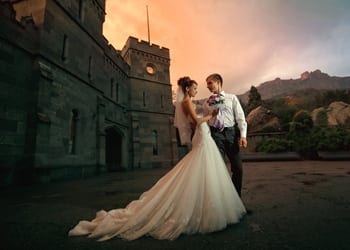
point(196, 196)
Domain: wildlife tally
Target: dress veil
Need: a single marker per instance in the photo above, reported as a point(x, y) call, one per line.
point(181, 121)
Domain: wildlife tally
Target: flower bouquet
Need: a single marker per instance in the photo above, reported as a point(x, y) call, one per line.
point(216, 101)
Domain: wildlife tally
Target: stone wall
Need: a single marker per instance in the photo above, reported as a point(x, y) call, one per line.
point(19, 40)
point(71, 105)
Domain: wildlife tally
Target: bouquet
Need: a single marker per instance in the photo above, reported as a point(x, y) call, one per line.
point(216, 101)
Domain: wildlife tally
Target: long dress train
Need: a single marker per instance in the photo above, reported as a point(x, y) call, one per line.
point(196, 196)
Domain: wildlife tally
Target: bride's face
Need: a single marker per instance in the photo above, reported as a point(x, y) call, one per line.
point(192, 91)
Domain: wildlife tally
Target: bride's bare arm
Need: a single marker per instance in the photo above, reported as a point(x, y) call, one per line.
point(187, 106)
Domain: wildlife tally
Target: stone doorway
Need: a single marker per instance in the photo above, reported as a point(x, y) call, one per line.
point(113, 150)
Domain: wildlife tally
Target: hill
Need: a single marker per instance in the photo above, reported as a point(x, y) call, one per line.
point(315, 80)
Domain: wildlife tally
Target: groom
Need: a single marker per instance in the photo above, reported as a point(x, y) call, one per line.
point(228, 139)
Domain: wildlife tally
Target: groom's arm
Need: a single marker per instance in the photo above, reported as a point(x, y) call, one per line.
point(240, 120)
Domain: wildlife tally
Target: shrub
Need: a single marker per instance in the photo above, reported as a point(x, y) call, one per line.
point(307, 144)
point(302, 121)
point(331, 138)
point(275, 145)
point(322, 118)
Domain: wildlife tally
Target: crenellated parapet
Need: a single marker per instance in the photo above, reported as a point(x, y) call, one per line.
point(35, 10)
point(21, 32)
point(114, 58)
point(7, 10)
point(161, 53)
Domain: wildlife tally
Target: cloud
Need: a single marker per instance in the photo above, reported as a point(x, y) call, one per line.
point(248, 42)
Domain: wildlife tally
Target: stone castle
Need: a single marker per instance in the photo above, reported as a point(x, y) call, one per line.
point(71, 105)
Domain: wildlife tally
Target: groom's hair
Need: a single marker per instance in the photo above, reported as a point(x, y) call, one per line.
point(215, 77)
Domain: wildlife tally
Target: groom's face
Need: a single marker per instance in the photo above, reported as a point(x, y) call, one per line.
point(213, 86)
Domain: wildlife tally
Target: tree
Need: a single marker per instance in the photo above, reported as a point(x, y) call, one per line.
point(299, 132)
point(302, 122)
point(254, 99)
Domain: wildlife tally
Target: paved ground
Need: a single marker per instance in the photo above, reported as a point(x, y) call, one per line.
point(296, 205)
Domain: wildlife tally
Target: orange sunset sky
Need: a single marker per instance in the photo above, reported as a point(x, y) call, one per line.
point(247, 41)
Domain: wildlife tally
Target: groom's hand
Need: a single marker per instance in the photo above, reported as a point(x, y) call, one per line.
point(243, 142)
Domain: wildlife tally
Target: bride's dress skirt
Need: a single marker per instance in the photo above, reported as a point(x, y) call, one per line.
point(196, 196)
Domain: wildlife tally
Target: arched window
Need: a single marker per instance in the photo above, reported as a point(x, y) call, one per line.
point(72, 132)
point(155, 142)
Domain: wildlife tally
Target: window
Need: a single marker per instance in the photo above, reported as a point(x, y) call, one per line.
point(144, 98)
point(112, 88)
point(64, 48)
point(90, 68)
point(155, 142)
point(117, 92)
point(72, 132)
point(80, 9)
point(161, 101)
point(150, 68)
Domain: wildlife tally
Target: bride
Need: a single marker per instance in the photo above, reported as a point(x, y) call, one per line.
point(195, 196)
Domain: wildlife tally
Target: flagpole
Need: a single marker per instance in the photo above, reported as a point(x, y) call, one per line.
point(149, 36)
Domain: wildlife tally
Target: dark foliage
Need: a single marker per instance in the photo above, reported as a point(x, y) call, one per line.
point(254, 100)
point(275, 145)
point(308, 142)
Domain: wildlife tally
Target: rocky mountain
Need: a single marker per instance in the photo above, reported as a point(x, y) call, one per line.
point(308, 80)
point(260, 118)
point(337, 113)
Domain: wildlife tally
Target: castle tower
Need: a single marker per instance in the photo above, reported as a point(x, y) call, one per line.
point(151, 109)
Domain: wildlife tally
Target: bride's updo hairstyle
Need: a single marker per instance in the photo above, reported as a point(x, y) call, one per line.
point(185, 82)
